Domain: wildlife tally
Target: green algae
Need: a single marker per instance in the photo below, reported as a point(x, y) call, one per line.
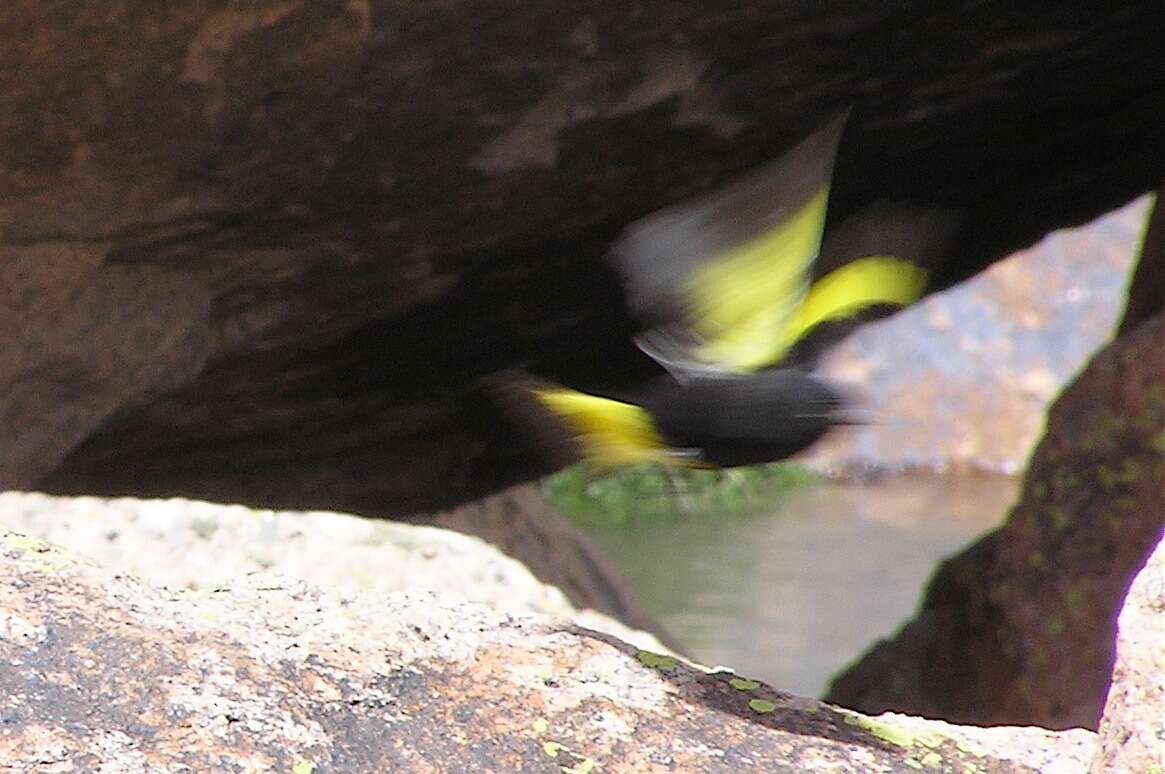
point(761, 706)
point(655, 660)
point(744, 684)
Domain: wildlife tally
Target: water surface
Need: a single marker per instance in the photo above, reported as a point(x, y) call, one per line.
point(793, 595)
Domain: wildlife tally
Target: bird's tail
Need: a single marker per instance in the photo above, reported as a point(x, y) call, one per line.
point(604, 431)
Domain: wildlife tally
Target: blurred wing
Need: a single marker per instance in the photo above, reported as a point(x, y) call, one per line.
point(732, 268)
point(870, 281)
point(746, 297)
point(882, 252)
point(920, 233)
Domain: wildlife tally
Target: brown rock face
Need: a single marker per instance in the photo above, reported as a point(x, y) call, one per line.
point(1019, 628)
point(263, 253)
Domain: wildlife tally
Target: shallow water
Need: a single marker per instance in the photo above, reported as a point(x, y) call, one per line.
point(794, 595)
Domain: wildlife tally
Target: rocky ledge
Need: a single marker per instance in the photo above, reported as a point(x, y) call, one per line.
point(264, 672)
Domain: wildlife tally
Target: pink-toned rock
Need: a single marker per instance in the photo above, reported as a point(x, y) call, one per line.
point(1132, 731)
point(104, 672)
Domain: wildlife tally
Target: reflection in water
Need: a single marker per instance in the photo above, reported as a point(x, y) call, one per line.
point(792, 597)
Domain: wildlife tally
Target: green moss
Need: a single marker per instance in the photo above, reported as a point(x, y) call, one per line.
point(303, 767)
point(1061, 519)
point(894, 735)
point(1157, 443)
point(744, 684)
point(932, 760)
point(1126, 503)
point(1128, 474)
point(1036, 560)
point(1109, 427)
point(28, 545)
point(1147, 420)
point(653, 492)
point(761, 706)
point(655, 660)
point(1075, 598)
point(45, 558)
point(968, 748)
point(1064, 481)
point(584, 765)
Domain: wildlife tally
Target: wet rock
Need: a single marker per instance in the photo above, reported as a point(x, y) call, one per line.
point(106, 672)
point(1132, 731)
point(1019, 628)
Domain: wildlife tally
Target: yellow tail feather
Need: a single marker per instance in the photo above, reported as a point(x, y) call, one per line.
point(610, 432)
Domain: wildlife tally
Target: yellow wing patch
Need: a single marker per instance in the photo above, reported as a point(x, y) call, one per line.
point(611, 432)
point(876, 279)
point(742, 301)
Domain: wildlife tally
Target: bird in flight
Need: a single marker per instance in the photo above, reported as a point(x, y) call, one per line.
point(724, 286)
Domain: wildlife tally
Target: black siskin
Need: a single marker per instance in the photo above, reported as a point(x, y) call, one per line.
point(725, 283)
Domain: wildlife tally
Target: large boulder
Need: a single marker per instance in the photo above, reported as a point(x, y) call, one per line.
point(1132, 729)
point(103, 671)
point(200, 546)
point(263, 252)
point(1019, 628)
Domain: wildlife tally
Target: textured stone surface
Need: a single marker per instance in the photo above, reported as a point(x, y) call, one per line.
point(199, 546)
point(520, 523)
point(1019, 628)
point(1132, 731)
point(263, 252)
point(105, 672)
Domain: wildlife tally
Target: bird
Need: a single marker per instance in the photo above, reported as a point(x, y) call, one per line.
point(723, 284)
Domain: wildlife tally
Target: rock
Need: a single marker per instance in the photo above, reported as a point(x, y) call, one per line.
point(964, 378)
point(1018, 629)
point(1132, 731)
point(200, 546)
point(264, 254)
point(106, 672)
point(520, 523)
